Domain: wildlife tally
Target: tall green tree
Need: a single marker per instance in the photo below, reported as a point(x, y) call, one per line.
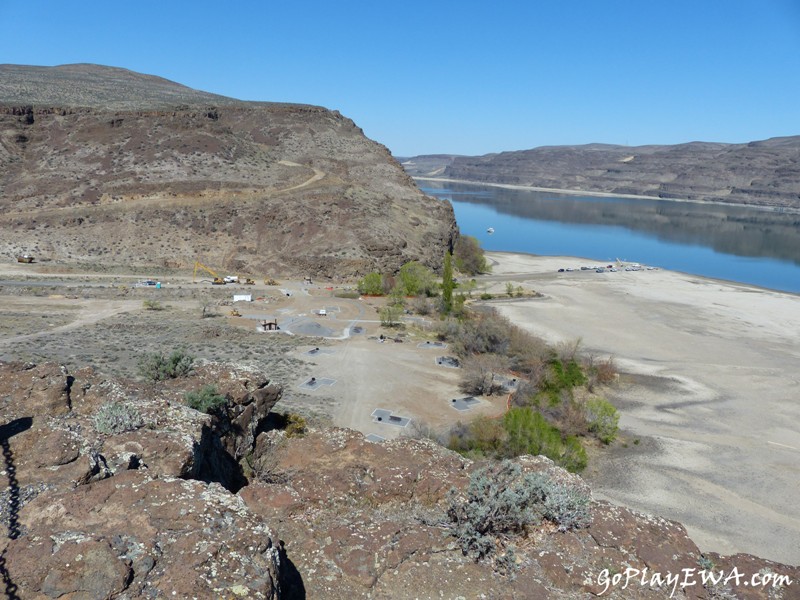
point(447, 284)
point(415, 279)
point(469, 257)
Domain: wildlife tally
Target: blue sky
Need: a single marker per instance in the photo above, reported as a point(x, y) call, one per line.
point(463, 77)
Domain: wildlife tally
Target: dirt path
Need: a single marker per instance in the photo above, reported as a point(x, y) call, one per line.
point(204, 197)
point(318, 174)
point(89, 313)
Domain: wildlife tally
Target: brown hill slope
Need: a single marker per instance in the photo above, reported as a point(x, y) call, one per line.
point(133, 170)
point(761, 173)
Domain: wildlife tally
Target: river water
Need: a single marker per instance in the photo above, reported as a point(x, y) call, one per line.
point(746, 245)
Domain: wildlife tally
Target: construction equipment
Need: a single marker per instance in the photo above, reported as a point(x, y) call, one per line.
point(217, 279)
point(271, 281)
point(235, 313)
point(247, 281)
point(25, 258)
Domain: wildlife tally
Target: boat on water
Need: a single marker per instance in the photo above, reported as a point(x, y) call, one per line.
point(490, 230)
point(25, 258)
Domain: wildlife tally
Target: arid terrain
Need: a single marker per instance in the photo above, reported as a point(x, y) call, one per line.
point(762, 173)
point(335, 515)
point(309, 474)
point(706, 391)
point(105, 168)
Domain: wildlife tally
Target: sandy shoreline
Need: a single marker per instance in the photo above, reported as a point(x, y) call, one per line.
point(508, 186)
point(711, 391)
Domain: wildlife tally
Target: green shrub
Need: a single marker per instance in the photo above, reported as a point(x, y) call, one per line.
point(483, 437)
point(207, 399)
point(468, 256)
point(573, 455)
point(530, 433)
point(561, 377)
point(521, 431)
point(566, 506)
point(603, 419)
point(486, 296)
point(115, 418)
point(295, 425)
point(371, 284)
point(501, 502)
point(415, 279)
point(390, 315)
point(152, 305)
point(157, 367)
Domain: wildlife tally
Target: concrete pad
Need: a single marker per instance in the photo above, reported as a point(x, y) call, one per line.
point(451, 362)
point(375, 438)
point(385, 417)
point(310, 328)
point(462, 404)
point(315, 383)
point(439, 345)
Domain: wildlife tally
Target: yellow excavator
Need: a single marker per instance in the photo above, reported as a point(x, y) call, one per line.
point(217, 279)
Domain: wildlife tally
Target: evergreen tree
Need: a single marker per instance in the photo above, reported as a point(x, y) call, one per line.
point(447, 284)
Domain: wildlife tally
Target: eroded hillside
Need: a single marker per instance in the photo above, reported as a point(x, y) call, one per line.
point(251, 187)
point(760, 173)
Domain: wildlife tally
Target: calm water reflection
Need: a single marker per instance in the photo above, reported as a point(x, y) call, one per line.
point(728, 242)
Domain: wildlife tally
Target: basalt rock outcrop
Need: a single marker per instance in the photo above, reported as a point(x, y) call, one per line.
point(105, 168)
point(765, 173)
point(92, 514)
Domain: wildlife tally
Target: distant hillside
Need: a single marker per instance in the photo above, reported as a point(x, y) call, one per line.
point(762, 173)
point(96, 86)
point(429, 165)
point(104, 167)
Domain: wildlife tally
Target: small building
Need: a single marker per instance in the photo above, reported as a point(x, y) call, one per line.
point(243, 297)
point(268, 325)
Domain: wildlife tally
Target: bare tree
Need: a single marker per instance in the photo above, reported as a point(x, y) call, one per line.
point(481, 374)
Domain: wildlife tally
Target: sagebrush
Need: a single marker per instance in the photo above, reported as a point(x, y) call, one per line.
point(116, 417)
point(501, 504)
point(207, 399)
point(157, 367)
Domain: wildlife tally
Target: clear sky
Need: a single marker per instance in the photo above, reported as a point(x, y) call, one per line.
point(463, 77)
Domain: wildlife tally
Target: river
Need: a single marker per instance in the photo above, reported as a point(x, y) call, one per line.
point(741, 244)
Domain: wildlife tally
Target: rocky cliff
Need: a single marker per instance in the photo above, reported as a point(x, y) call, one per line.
point(163, 501)
point(760, 173)
point(105, 168)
